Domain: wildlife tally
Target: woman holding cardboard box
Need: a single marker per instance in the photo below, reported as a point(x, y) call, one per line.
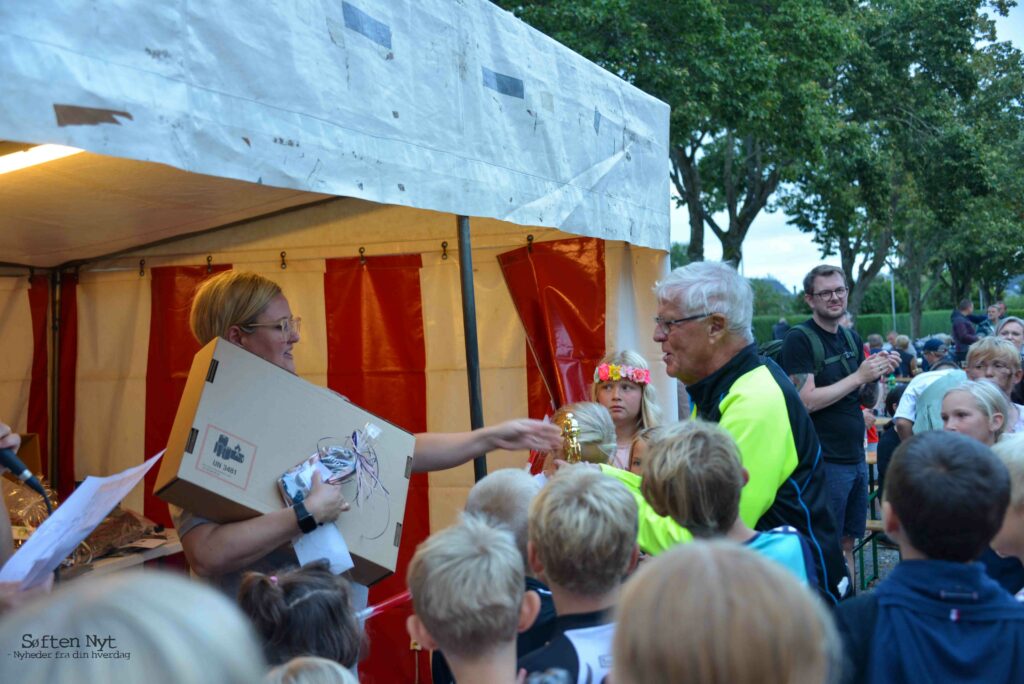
point(250, 311)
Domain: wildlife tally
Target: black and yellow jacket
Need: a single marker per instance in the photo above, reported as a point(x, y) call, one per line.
point(755, 401)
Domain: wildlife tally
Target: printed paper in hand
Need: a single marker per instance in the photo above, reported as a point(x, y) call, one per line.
point(72, 522)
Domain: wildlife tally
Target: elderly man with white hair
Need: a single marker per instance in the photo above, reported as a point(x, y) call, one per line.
point(704, 328)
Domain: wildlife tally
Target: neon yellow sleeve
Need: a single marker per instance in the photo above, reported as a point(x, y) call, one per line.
point(657, 533)
point(754, 412)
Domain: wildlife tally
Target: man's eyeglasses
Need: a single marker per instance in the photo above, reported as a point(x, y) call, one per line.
point(826, 295)
point(285, 325)
point(666, 326)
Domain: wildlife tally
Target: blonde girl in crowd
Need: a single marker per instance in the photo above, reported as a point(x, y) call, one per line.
point(977, 409)
point(622, 384)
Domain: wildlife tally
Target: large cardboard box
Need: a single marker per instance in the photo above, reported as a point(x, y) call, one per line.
point(243, 422)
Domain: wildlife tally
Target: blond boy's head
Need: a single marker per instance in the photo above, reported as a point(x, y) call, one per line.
point(727, 590)
point(583, 528)
point(693, 474)
point(467, 585)
point(504, 497)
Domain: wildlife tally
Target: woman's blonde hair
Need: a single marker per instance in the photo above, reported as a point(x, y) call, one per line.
point(596, 426)
point(166, 629)
point(693, 474)
point(727, 590)
point(310, 670)
point(994, 349)
point(989, 399)
point(650, 410)
point(229, 298)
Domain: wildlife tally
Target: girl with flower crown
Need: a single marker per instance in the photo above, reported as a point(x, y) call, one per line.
point(622, 384)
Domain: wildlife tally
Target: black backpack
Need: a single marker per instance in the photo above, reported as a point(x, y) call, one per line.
point(773, 349)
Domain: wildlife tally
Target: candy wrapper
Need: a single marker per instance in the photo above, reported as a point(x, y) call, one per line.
point(352, 460)
point(335, 465)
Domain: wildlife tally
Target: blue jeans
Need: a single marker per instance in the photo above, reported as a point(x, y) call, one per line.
point(848, 497)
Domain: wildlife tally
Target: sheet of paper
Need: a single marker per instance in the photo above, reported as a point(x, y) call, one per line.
point(72, 522)
point(325, 542)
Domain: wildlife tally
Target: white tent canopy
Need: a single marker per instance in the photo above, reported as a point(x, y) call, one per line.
point(453, 107)
point(260, 121)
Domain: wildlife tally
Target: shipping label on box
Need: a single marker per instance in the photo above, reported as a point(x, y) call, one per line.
point(227, 457)
point(242, 422)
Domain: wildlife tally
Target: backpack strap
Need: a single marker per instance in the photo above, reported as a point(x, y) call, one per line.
point(818, 349)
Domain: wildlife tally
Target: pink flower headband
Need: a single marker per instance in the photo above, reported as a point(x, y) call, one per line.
point(611, 371)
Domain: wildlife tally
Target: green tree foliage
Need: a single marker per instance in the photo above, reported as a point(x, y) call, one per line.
point(878, 297)
point(893, 127)
point(919, 167)
point(677, 255)
point(769, 301)
point(747, 82)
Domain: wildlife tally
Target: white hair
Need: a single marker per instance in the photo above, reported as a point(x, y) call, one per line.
point(711, 287)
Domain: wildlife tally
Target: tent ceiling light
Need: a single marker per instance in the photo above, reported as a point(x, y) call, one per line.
point(39, 154)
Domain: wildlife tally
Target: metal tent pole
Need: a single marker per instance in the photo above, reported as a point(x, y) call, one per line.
point(476, 405)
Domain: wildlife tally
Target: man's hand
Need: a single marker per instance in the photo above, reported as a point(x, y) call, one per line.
point(325, 501)
point(875, 366)
point(869, 418)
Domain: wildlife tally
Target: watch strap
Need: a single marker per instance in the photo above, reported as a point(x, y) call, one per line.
point(307, 523)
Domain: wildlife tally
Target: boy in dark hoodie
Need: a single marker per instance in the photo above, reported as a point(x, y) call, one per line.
point(938, 617)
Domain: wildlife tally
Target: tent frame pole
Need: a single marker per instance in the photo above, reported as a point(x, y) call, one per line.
point(476, 406)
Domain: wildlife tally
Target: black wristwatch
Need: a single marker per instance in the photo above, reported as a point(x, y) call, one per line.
point(307, 523)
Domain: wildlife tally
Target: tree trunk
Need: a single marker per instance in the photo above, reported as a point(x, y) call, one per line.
point(686, 179)
point(732, 249)
point(916, 305)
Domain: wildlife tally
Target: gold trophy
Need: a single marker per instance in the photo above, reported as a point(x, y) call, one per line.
point(571, 439)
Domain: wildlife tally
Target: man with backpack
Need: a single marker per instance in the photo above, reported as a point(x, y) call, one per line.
point(824, 360)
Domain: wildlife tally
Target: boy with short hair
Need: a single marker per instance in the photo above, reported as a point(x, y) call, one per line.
point(467, 594)
point(693, 474)
point(504, 497)
point(938, 617)
point(582, 542)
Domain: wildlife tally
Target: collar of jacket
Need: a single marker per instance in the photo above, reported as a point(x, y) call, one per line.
point(707, 393)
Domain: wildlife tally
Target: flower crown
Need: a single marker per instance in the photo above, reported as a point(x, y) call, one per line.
point(612, 371)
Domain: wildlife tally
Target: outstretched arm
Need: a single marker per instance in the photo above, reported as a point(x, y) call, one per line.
point(442, 450)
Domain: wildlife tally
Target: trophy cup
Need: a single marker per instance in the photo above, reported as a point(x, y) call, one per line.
point(571, 439)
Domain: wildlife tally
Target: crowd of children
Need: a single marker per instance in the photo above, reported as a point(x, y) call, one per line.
point(542, 579)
